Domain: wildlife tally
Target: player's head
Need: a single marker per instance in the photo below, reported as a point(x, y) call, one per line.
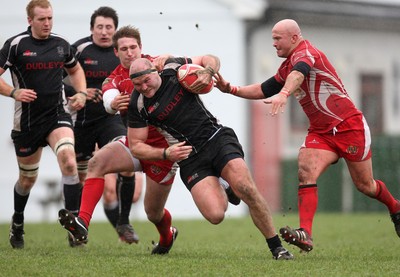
point(286, 35)
point(127, 45)
point(103, 24)
point(145, 77)
point(40, 18)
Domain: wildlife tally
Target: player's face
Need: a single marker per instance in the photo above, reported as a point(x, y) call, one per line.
point(102, 31)
point(147, 84)
point(42, 22)
point(282, 42)
point(128, 51)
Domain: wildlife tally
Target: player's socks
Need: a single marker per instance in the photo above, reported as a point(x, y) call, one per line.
point(125, 191)
point(72, 195)
point(91, 194)
point(164, 228)
point(383, 195)
point(112, 212)
point(20, 199)
point(307, 205)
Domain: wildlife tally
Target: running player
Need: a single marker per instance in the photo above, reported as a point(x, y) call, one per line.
point(36, 59)
point(337, 128)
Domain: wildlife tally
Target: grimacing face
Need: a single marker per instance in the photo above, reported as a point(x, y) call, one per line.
point(147, 84)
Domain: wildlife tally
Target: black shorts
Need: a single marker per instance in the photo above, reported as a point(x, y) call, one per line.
point(100, 133)
point(27, 143)
point(212, 158)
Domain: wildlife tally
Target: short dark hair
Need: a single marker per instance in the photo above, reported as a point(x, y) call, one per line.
point(105, 12)
point(126, 31)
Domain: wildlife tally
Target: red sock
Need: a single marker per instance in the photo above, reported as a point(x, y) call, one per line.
point(307, 204)
point(91, 194)
point(383, 195)
point(164, 228)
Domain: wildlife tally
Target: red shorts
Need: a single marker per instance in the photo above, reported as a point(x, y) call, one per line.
point(161, 171)
point(351, 139)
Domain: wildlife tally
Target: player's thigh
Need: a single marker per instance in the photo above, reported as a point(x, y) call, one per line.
point(112, 158)
point(210, 199)
point(361, 174)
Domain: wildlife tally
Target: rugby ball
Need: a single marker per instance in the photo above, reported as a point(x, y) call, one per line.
point(187, 77)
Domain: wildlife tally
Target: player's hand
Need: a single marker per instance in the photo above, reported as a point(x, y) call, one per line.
point(178, 152)
point(203, 79)
point(120, 102)
point(25, 95)
point(278, 102)
point(77, 101)
point(94, 94)
point(221, 84)
point(159, 62)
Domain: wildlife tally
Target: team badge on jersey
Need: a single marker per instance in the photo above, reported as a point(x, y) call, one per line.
point(352, 149)
point(60, 51)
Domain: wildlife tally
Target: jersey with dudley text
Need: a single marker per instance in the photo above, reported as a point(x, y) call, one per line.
point(180, 114)
point(38, 65)
point(98, 63)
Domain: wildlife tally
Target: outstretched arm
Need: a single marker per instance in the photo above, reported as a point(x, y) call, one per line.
point(253, 91)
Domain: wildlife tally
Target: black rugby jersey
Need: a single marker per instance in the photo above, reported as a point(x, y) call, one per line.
point(38, 65)
point(181, 115)
point(98, 63)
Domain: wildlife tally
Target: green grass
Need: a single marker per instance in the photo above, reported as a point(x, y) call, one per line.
point(344, 245)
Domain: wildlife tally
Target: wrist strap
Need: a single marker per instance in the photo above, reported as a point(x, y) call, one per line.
point(165, 154)
point(84, 93)
point(12, 93)
point(285, 92)
point(234, 90)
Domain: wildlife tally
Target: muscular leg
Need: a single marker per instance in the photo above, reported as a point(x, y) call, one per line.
point(210, 198)
point(111, 158)
point(238, 176)
point(61, 141)
point(312, 163)
point(362, 176)
point(156, 196)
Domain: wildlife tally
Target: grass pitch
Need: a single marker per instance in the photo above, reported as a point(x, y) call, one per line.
point(344, 245)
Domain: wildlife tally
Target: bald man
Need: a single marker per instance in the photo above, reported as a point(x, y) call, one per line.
point(203, 148)
point(337, 128)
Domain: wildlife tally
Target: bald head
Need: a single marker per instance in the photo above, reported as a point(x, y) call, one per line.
point(139, 65)
point(287, 26)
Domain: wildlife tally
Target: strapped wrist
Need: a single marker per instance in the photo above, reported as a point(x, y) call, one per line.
point(285, 92)
point(12, 93)
point(165, 154)
point(84, 93)
point(234, 90)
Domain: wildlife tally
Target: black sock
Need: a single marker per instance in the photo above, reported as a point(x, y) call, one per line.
point(274, 242)
point(125, 191)
point(19, 206)
point(112, 215)
point(72, 195)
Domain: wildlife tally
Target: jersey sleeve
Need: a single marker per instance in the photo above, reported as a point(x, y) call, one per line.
point(6, 57)
point(135, 118)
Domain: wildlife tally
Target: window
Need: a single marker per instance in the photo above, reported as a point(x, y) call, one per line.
point(371, 100)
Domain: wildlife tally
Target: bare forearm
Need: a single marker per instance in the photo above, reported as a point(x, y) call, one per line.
point(143, 151)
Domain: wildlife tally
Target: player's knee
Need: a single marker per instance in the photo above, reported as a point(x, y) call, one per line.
point(365, 187)
point(215, 216)
point(28, 175)
point(96, 166)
